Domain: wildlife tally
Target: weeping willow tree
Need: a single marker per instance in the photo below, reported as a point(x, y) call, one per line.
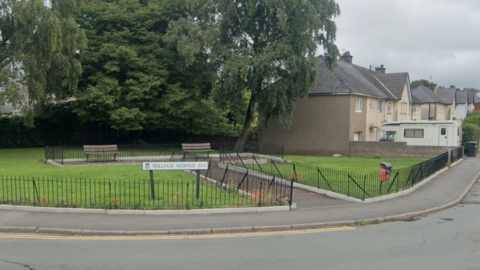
point(262, 50)
point(40, 43)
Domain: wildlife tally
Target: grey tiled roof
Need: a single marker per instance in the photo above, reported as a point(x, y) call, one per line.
point(424, 94)
point(470, 97)
point(461, 97)
point(395, 82)
point(476, 99)
point(348, 79)
point(447, 94)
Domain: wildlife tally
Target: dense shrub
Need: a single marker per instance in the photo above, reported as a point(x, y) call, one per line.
point(16, 134)
point(471, 132)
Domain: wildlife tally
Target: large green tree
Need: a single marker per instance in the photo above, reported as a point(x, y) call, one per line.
point(262, 50)
point(132, 80)
point(40, 45)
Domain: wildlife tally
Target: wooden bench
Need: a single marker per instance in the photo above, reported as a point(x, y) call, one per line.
point(101, 150)
point(195, 148)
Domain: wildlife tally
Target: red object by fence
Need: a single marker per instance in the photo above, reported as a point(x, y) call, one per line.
point(384, 175)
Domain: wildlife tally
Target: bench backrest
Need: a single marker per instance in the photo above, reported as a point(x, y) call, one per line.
point(195, 146)
point(100, 148)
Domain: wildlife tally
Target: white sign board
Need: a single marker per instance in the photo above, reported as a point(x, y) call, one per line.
point(171, 166)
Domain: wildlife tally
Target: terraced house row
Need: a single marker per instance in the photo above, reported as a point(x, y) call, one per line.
point(352, 103)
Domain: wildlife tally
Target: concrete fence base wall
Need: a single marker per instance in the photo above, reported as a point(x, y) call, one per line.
point(395, 150)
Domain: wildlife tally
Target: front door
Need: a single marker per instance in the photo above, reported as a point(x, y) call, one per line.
point(443, 136)
point(356, 136)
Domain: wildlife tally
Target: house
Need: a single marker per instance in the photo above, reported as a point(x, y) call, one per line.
point(9, 109)
point(448, 97)
point(476, 100)
point(470, 102)
point(430, 103)
point(348, 105)
point(461, 101)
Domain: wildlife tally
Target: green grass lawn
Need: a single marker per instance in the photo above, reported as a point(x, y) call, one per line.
point(348, 176)
point(355, 165)
point(29, 162)
point(304, 164)
point(128, 186)
point(116, 186)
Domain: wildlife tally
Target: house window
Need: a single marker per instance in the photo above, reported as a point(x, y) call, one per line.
point(414, 109)
point(370, 104)
point(413, 133)
point(357, 136)
point(358, 107)
point(379, 106)
point(404, 108)
point(389, 107)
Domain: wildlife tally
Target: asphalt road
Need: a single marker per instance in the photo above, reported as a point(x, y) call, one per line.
point(445, 240)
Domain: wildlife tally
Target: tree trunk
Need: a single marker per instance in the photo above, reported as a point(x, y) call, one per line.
point(247, 127)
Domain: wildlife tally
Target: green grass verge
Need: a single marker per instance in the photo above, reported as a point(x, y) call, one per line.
point(348, 176)
point(29, 162)
point(115, 187)
point(354, 165)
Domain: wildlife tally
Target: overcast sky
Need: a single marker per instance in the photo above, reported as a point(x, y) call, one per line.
point(427, 38)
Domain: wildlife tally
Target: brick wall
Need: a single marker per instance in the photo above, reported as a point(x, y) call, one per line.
point(395, 150)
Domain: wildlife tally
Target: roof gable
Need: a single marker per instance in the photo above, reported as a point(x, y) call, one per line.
point(395, 82)
point(424, 94)
point(461, 97)
point(348, 79)
point(447, 94)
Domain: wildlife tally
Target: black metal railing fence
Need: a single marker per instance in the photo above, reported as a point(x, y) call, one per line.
point(357, 185)
point(456, 154)
point(221, 187)
point(127, 153)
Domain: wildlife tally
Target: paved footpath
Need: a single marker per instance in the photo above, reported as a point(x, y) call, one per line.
point(444, 191)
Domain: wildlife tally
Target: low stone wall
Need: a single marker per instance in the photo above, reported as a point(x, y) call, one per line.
point(395, 150)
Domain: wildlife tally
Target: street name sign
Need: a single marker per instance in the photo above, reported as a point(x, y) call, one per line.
point(169, 166)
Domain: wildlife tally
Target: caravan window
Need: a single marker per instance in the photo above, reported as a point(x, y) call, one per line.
point(443, 131)
point(413, 133)
point(389, 137)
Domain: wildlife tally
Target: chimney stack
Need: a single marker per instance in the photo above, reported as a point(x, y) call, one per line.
point(433, 87)
point(380, 69)
point(347, 57)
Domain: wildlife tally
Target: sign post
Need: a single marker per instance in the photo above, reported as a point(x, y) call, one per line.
point(175, 166)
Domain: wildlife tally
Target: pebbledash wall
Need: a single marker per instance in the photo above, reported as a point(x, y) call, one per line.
point(395, 150)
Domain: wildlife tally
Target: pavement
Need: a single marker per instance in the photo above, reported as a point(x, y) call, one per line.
point(313, 211)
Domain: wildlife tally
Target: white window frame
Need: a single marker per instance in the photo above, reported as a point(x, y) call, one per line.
point(379, 106)
point(389, 107)
point(370, 104)
point(358, 105)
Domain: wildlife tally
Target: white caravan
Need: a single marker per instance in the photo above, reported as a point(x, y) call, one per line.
point(425, 133)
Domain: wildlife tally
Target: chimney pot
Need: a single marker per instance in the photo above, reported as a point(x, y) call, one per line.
point(381, 69)
point(347, 57)
point(433, 87)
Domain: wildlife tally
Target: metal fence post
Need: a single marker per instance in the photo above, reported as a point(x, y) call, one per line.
point(348, 185)
point(364, 187)
point(291, 193)
point(152, 185)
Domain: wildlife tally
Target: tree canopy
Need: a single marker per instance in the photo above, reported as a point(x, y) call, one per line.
point(39, 51)
point(262, 53)
point(132, 80)
point(471, 89)
point(418, 83)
